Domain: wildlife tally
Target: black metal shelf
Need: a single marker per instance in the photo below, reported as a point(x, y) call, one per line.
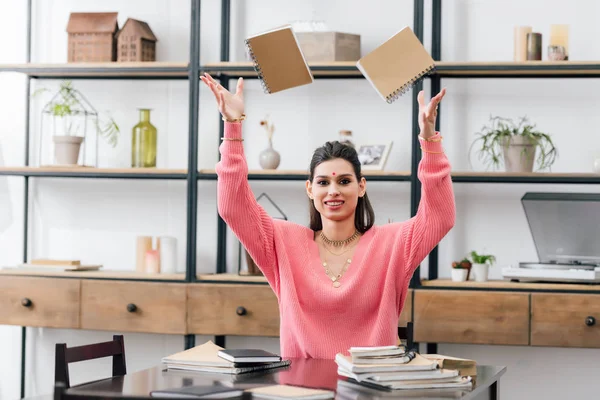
point(276, 175)
point(234, 70)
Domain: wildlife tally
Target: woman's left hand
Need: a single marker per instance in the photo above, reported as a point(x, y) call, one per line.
point(428, 113)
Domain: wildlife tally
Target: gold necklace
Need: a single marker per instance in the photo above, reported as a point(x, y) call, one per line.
point(339, 243)
point(337, 254)
point(336, 278)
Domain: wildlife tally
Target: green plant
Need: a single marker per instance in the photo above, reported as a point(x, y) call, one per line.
point(69, 103)
point(482, 258)
point(494, 137)
point(465, 263)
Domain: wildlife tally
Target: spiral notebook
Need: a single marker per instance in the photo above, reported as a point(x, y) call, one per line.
point(278, 59)
point(396, 65)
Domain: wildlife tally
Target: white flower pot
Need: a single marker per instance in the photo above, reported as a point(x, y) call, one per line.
point(66, 149)
point(459, 274)
point(481, 272)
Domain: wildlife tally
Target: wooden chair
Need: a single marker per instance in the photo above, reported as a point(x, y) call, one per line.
point(406, 333)
point(64, 356)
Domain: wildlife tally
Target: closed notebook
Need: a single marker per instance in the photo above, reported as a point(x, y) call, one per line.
point(278, 59)
point(198, 392)
point(396, 65)
point(278, 392)
point(248, 356)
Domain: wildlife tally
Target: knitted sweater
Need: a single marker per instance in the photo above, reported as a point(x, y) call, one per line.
point(316, 319)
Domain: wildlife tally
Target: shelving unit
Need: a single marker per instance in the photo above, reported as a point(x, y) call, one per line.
point(225, 71)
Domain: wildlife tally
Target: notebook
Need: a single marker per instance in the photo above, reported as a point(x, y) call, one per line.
point(248, 356)
point(198, 392)
point(396, 65)
point(278, 59)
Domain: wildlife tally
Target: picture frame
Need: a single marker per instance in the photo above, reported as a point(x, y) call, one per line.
point(373, 156)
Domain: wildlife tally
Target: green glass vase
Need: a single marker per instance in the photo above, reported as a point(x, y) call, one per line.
point(143, 142)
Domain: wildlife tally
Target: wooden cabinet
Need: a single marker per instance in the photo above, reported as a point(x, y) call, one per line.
point(232, 309)
point(133, 306)
point(477, 317)
point(565, 320)
point(43, 302)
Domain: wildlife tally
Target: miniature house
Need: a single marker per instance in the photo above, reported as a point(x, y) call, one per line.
point(92, 37)
point(136, 42)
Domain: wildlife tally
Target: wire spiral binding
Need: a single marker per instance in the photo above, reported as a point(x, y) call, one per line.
point(257, 68)
point(409, 85)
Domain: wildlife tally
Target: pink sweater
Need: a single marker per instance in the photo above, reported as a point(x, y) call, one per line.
point(317, 320)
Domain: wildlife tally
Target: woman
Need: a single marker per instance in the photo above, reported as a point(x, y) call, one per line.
point(343, 281)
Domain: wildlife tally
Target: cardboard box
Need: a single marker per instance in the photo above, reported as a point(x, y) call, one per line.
point(329, 46)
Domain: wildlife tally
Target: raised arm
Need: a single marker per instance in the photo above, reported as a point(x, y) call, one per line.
point(236, 203)
point(436, 213)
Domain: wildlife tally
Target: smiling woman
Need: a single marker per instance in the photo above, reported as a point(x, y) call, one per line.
point(341, 281)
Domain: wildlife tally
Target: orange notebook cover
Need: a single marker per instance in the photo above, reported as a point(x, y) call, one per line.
point(396, 65)
point(278, 59)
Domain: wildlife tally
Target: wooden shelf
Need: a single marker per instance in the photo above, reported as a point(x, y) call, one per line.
point(90, 172)
point(110, 70)
point(231, 278)
point(276, 174)
point(535, 177)
point(518, 69)
point(246, 69)
point(508, 285)
point(124, 275)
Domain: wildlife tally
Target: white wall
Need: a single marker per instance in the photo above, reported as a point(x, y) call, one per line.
point(98, 220)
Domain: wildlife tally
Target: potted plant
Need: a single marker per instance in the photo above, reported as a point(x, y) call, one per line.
point(481, 264)
point(461, 270)
point(515, 144)
point(71, 113)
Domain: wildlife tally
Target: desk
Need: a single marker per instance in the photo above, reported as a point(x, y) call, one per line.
point(302, 372)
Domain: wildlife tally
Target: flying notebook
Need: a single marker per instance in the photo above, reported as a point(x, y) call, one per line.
point(396, 65)
point(278, 59)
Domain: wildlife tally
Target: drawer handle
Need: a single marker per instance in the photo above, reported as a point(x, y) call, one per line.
point(25, 302)
point(131, 307)
point(241, 311)
point(590, 321)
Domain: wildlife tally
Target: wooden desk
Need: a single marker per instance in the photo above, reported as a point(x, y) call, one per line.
point(310, 373)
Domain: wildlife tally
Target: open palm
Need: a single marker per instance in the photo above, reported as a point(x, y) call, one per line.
point(231, 106)
point(428, 113)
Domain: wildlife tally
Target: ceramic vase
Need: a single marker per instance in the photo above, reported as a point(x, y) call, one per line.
point(519, 154)
point(459, 274)
point(269, 157)
point(481, 272)
point(66, 149)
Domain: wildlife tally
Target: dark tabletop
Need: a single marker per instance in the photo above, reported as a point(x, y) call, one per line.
point(313, 373)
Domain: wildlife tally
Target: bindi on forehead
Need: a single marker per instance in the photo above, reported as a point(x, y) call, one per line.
point(333, 173)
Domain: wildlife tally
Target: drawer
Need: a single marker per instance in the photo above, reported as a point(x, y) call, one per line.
point(477, 317)
point(565, 320)
point(45, 302)
point(232, 309)
point(406, 314)
point(151, 307)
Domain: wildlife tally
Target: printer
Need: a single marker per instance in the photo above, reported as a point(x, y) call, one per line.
point(566, 231)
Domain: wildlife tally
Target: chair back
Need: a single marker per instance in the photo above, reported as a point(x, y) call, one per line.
point(66, 355)
point(405, 333)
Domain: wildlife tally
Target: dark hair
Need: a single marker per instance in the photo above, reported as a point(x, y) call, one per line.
point(364, 216)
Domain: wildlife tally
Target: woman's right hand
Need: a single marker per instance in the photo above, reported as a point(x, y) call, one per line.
point(230, 105)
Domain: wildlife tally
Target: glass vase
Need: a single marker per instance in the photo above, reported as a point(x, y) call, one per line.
point(143, 142)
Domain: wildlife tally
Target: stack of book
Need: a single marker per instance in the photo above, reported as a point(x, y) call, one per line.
point(209, 357)
point(393, 367)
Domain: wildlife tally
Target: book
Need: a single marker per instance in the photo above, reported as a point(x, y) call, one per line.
point(401, 358)
point(277, 392)
point(396, 65)
point(459, 382)
point(205, 358)
point(198, 392)
point(400, 375)
point(278, 59)
point(464, 366)
point(376, 351)
point(248, 356)
point(418, 363)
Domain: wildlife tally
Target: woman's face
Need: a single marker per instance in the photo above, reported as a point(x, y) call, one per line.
point(335, 189)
